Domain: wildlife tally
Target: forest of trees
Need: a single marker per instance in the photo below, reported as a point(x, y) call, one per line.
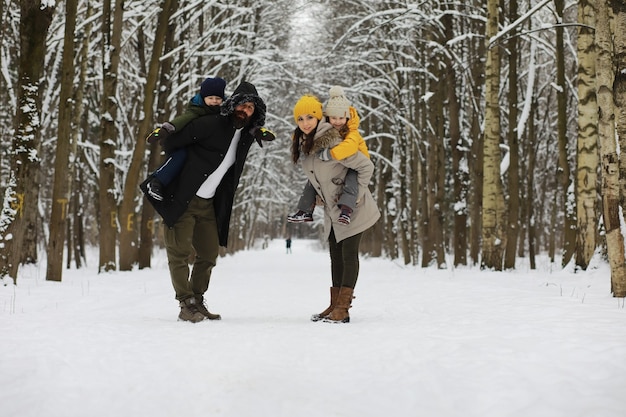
point(495, 126)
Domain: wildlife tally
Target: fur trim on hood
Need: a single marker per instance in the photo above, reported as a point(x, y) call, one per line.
point(326, 136)
point(243, 93)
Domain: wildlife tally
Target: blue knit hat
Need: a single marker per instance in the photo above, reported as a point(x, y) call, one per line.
point(213, 87)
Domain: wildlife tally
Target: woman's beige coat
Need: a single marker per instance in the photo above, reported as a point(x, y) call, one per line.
point(327, 178)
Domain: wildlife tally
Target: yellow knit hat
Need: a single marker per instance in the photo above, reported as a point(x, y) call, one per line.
point(308, 104)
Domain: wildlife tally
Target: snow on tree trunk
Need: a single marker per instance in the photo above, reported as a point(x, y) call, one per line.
point(109, 134)
point(61, 189)
point(21, 194)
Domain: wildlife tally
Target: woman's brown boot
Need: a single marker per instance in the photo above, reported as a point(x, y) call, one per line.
point(334, 293)
point(344, 302)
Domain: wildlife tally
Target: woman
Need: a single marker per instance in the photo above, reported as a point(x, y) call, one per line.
point(344, 118)
point(313, 135)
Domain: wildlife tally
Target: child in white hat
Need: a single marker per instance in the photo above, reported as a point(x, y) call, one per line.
point(345, 119)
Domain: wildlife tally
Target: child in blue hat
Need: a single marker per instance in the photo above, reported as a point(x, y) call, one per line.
point(206, 101)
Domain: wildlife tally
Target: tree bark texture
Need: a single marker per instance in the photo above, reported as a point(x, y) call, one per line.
point(513, 136)
point(129, 232)
point(148, 225)
point(568, 201)
point(21, 194)
point(60, 189)
point(587, 145)
point(618, 281)
point(493, 217)
point(475, 160)
point(608, 151)
point(111, 31)
point(530, 184)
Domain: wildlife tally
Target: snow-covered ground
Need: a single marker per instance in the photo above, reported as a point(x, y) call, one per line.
point(422, 342)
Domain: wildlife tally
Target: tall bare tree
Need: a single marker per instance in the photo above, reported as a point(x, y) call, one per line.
point(75, 227)
point(475, 198)
point(60, 189)
point(513, 226)
point(619, 91)
point(587, 145)
point(21, 194)
point(530, 187)
point(147, 227)
point(618, 267)
point(563, 171)
point(112, 34)
point(605, 74)
point(459, 153)
point(436, 170)
point(493, 218)
point(127, 209)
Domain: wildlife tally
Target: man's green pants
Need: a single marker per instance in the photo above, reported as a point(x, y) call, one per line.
point(196, 230)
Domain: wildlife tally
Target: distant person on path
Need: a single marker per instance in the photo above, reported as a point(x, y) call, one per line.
point(312, 135)
point(198, 203)
point(288, 243)
point(344, 118)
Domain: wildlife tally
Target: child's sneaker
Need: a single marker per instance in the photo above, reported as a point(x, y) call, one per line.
point(344, 217)
point(300, 217)
point(155, 189)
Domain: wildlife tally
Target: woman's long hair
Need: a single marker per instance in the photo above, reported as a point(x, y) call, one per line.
point(301, 143)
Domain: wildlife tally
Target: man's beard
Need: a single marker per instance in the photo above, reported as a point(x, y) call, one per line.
point(240, 119)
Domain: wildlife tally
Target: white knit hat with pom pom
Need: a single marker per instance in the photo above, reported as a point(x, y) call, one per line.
point(337, 104)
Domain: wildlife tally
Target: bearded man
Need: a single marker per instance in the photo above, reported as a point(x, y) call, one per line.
point(197, 205)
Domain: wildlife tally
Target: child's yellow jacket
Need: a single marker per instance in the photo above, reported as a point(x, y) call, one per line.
point(353, 142)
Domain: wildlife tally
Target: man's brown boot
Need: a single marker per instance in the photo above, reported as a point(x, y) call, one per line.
point(344, 302)
point(189, 311)
point(334, 293)
point(205, 312)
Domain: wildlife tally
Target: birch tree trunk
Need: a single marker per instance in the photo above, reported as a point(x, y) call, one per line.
point(587, 145)
point(493, 217)
point(608, 151)
point(619, 91)
point(112, 34)
point(618, 267)
point(60, 189)
point(21, 194)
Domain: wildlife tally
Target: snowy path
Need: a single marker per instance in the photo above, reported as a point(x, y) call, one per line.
point(422, 342)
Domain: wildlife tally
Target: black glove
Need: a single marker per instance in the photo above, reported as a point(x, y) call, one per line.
point(160, 133)
point(263, 134)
